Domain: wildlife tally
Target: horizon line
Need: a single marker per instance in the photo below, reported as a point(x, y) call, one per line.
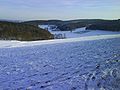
point(59, 19)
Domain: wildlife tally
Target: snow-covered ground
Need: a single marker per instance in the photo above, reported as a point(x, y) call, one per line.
point(12, 44)
point(86, 65)
point(84, 61)
point(79, 32)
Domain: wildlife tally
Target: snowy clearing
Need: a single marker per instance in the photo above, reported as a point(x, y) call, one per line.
point(88, 65)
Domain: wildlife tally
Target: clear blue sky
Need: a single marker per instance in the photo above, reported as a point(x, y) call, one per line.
point(59, 9)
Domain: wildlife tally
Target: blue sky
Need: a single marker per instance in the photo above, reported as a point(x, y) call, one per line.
point(59, 9)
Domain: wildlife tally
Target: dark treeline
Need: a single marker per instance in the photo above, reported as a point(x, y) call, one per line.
point(113, 25)
point(22, 32)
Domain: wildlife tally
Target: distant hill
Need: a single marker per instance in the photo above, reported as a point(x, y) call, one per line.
point(42, 22)
point(22, 32)
point(93, 24)
point(113, 25)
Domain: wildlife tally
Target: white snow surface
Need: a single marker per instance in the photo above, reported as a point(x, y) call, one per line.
point(86, 65)
point(88, 62)
point(12, 44)
point(79, 32)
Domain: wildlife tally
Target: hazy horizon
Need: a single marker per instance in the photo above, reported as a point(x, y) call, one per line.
point(60, 10)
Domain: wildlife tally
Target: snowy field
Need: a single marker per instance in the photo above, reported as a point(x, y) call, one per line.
point(11, 44)
point(85, 60)
point(86, 63)
point(79, 32)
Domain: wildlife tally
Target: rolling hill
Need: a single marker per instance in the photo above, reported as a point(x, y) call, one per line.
point(90, 24)
point(22, 32)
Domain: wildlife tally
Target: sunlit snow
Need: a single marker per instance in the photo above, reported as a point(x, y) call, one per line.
point(79, 63)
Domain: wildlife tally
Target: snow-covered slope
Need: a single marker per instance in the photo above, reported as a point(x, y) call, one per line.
point(10, 44)
point(79, 32)
point(88, 65)
point(88, 62)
